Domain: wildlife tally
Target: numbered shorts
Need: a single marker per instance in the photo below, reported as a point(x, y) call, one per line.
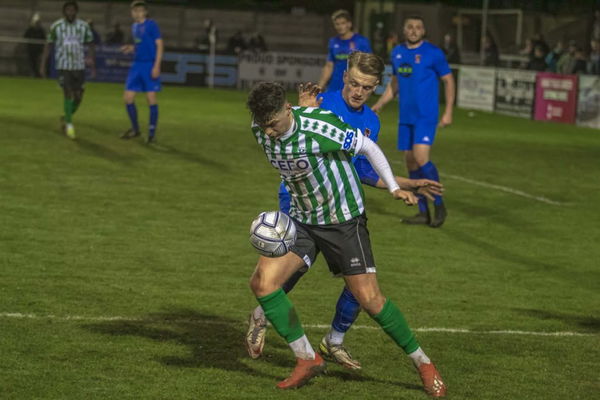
point(346, 246)
point(71, 80)
point(421, 132)
point(140, 78)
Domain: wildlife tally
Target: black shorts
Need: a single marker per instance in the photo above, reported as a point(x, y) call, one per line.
point(346, 246)
point(71, 80)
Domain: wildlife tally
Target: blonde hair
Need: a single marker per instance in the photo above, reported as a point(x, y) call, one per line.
point(341, 14)
point(367, 63)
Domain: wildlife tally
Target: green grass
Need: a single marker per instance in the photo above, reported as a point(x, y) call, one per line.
point(101, 228)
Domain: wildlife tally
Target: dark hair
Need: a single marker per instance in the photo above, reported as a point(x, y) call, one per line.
point(70, 3)
point(265, 100)
point(367, 63)
point(417, 17)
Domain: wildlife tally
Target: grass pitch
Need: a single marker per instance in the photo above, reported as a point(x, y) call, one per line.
point(124, 268)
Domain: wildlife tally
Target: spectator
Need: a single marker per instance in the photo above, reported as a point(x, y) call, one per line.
point(116, 36)
point(236, 44)
point(97, 39)
point(391, 42)
point(566, 62)
point(580, 64)
point(210, 38)
point(594, 62)
point(35, 31)
point(491, 56)
point(450, 49)
point(553, 56)
point(596, 26)
point(538, 40)
point(527, 51)
point(538, 61)
point(257, 43)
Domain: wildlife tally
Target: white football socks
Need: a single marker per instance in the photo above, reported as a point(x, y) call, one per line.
point(419, 357)
point(302, 348)
point(258, 313)
point(335, 337)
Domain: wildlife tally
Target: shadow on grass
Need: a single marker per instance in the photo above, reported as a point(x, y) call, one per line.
point(215, 341)
point(107, 153)
point(589, 323)
point(499, 253)
point(160, 147)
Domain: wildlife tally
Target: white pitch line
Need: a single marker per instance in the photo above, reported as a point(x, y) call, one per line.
point(505, 189)
point(312, 326)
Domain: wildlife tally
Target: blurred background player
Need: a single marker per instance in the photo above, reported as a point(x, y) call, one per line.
point(69, 35)
point(144, 74)
point(339, 48)
point(360, 80)
point(417, 67)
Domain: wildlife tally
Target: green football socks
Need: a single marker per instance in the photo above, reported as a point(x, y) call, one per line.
point(69, 109)
point(282, 315)
point(394, 324)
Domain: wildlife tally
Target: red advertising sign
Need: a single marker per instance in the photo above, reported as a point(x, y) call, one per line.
point(556, 97)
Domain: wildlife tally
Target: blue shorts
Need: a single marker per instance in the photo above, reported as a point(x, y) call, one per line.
point(421, 132)
point(366, 173)
point(140, 78)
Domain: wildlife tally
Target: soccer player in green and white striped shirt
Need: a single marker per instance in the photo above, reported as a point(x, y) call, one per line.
point(312, 149)
point(69, 36)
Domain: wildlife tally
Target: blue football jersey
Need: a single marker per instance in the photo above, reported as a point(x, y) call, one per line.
point(364, 118)
point(338, 51)
point(144, 36)
point(418, 72)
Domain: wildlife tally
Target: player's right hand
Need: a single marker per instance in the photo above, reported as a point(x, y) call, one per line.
point(408, 197)
point(376, 108)
point(127, 49)
point(307, 95)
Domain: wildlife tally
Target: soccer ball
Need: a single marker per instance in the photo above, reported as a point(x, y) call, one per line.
point(272, 233)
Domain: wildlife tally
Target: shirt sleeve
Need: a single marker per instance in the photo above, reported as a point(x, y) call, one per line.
point(330, 55)
point(331, 133)
point(88, 36)
point(381, 165)
point(51, 38)
point(155, 32)
point(441, 66)
point(366, 46)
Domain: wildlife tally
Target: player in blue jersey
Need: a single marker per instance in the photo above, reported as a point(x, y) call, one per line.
point(144, 74)
point(339, 48)
point(417, 68)
point(360, 80)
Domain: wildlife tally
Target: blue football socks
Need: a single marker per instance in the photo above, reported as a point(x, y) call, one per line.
point(153, 120)
point(422, 200)
point(346, 311)
point(429, 171)
point(132, 112)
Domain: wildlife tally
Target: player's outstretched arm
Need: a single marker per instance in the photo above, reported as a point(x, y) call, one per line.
point(390, 92)
point(381, 165)
point(307, 95)
point(425, 187)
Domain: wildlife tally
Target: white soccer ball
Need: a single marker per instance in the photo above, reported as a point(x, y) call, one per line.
point(272, 233)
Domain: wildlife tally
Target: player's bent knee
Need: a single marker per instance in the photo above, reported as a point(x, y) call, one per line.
point(371, 301)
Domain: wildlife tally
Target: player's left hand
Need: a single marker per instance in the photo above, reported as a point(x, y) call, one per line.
point(408, 197)
point(427, 188)
point(446, 120)
point(307, 95)
point(155, 72)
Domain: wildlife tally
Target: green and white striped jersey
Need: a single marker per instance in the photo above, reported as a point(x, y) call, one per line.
point(68, 39)
point(315, 162)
